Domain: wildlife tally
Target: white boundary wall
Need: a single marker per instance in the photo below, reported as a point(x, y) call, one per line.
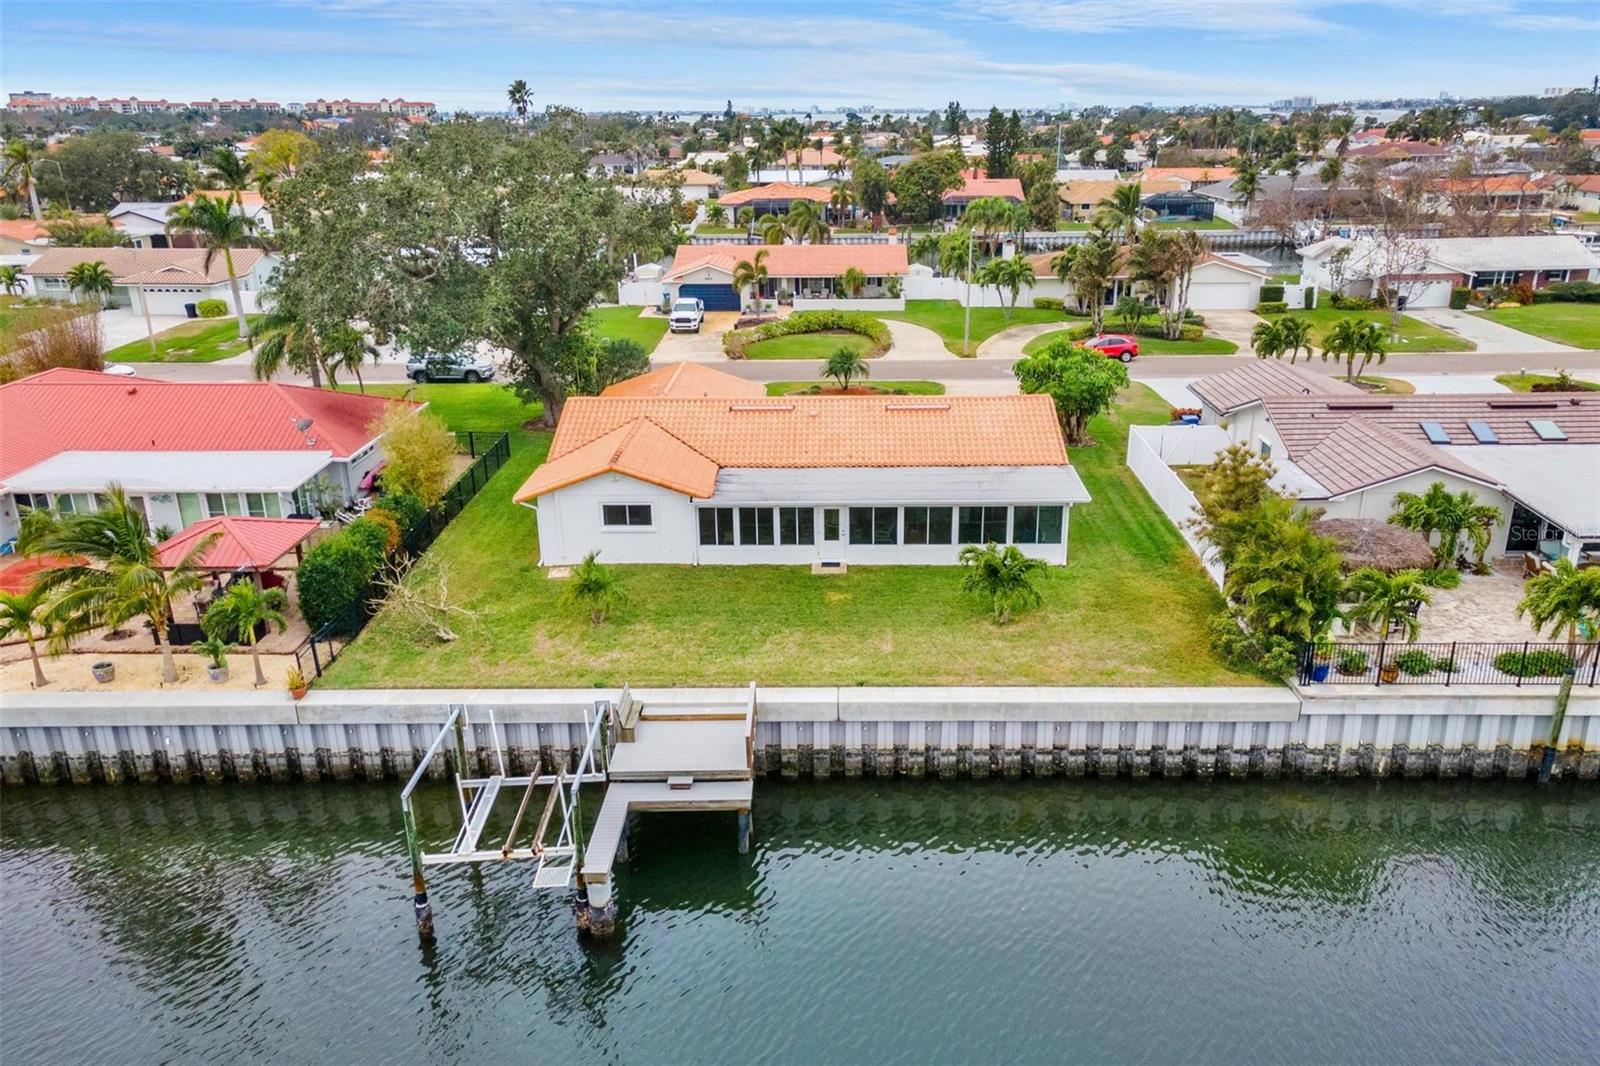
point(1152, 452)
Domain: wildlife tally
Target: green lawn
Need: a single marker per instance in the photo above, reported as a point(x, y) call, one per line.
point(807, 345)
point(1286, 279)
point(945, 317)
point(1386, 386)
point(1073, 227)
point(1149, 345)
point(1526, 382)
point(204, 340)
point(626, 323)
point(484, 407)
point(912, 388)
point(1129, 609)
point(1209, 224)
point(1415, 335)
point(1565, 323)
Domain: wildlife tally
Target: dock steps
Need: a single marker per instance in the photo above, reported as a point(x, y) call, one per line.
point(555, 870)
point(478, 815)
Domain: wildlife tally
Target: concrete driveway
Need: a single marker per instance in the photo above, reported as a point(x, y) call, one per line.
point(122, 326)
point(914, 342)
point(702, 347)
point(1235, 326)
point(1487, 334)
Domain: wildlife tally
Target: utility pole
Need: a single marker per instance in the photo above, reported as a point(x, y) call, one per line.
point(144, 304)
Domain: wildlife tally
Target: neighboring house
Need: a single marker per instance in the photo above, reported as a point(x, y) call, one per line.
point(184, 451)
point(23, 237)
point(1396, 151)
point(695, 184)
point(1536, 457)
point(1081, 198)
point(171, 278)
point(1500, 193)
point(1188, 177)
point(973, 188)
point(1431, 267)
point(1578, 192)
point(802, 480)
point(614, 164)
point(1223, 281)
point(686, 381)
point(1178, 206)
point(145, 222)
point(807, 273)
point(1306, 189)
point(773, 198)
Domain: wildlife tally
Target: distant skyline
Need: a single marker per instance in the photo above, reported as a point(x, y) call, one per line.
point(694, 56)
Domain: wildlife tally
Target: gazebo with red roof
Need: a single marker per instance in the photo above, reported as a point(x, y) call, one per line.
point(244, 543)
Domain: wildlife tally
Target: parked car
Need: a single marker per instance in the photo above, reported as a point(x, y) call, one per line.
point(449, 366)
point(1114, 346)
point(121, 370)
point(686, 316)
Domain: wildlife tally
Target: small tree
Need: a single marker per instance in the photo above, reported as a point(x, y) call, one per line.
point(1383, 600)
point(11, 279)
point(1082, 384)
point(239, 610)
point(91, 279)
point(752, 274)
point(1294, 333)
point(845, 363)
point(1355, 343)
point(418, 450)
point(21, 613)
point(1286, 580)
point(1229, 499)
point(1003, 577)
point(1564, 600)
point(1129, 310)
point(1006, 276)
point(716, 214)
point(594, 587)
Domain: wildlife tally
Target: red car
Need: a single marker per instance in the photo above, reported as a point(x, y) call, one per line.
point(1114, 346)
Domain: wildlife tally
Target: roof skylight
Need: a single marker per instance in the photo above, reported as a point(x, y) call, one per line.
point(1483, 432)
point(1546, 429)
point(1436, 433)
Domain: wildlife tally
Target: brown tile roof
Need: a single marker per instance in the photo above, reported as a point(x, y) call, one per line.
point(681, 380)
point(777, 190)
point(681, 443)
point(689, 175)
point(793, 260)
point(1252, 382)
point(175, 266)
point(1359, 453)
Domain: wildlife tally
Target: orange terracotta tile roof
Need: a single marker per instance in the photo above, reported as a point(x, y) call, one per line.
point(777, 190)
point(977, 188)
point(689, 175)
point(247, 197)
point(687, 380)
point(22, 229)
point(682, 443)
point(793, 260)
point(1195, 175)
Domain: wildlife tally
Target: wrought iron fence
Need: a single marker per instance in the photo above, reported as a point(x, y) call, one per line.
point(1456, 663)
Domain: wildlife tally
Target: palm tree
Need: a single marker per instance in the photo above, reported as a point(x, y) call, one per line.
point(23, 612)
point(1351, 338)
point(716, 214)
point(852, 281)
point(804, 223)
point(1124, 207)
point(1427, 514)
point(233, 173)
point(1129, 310)
point(751, 273)
point(1330, 175)
point(1002, 576)
point(1267, 339)
point(1007, 275)
point(994, 215)
point(520, 96)
point(1385, 600)
point(772, 229)
point(21, 158)
point(112, 576)
point(91, 279)
point(841, 200)
point(594, 587)
point(1295, 333)
point(1247, 184)
point(239, 610)
point(845, 363)
point(286, 340)
point(1567, 599)
point(11, 279)
point(1089, 268)
point(220, 229)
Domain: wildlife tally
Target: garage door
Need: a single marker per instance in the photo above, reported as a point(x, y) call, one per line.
point(1221, 296)
point(716, 297)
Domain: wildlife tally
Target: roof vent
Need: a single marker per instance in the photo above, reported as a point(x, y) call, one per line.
point(1357, 406)
point(761, 407)
point(1524, 405)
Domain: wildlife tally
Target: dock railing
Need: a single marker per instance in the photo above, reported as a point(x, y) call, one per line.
point(1513, 663)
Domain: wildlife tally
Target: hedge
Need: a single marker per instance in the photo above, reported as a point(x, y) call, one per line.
point(1271, 307)
point(736, 341)
point(1541, 663)
point(1048, 303)
point(333, 577)
point(1586, 292)
point(1459, 298)
point(211, 308)
point(1351, 303)
point(1272, 293)
point(408, 510)
point(1186, 332)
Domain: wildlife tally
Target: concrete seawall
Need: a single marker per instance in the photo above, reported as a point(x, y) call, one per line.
point(1414, 731)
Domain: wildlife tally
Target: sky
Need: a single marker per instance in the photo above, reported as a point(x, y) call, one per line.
point(693, 56)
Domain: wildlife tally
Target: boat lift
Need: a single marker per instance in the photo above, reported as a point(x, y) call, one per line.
point(666, 757)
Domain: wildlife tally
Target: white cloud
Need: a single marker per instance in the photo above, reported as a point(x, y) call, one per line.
point(1252, 17)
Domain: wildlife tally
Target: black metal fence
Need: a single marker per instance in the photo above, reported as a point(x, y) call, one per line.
point(1456, 663)
point(489, 452)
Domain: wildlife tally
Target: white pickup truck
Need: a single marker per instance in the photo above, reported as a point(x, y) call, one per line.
point(686, 316)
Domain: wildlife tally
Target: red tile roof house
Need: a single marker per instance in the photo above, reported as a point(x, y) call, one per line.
point(170, 278)
point(185, 451)
point(976, 188)
point(808, 273)
point(1535, 457)
point(674, 473)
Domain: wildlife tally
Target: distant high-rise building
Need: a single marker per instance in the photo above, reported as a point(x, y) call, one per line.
point(1562, 90)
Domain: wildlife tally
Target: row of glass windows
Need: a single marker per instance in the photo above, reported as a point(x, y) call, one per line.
point(727, 526)
point(192, 506)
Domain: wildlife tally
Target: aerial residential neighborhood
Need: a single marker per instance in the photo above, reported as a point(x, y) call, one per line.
point(610, 533)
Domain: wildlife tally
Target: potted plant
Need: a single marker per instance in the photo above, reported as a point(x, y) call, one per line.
point(216, 650)
point(104, 671)
point(1352, 663)
point(1321, 663)
point(1389, 673)
point(297, 683)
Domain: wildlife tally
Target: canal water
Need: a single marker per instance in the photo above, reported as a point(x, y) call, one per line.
point(903, 922)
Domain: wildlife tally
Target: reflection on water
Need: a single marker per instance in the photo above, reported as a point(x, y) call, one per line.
point(903, 922)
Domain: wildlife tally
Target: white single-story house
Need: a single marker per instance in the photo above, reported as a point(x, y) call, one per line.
point(184, 451)
point(807, 274)
point(1536, 457)
point(170, 278)
point(1577, 192)
point(145, 222)
point(669, 472)
point(694, 185)
point(1223, 281)
point(1428, 268)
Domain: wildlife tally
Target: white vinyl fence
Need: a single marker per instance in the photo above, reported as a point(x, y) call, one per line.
point(1152, 452)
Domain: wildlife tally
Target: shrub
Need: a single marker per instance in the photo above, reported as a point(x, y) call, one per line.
point(1261, 653)
point(1186, 332)
point(1340, 302)
point(1522, 292)
point(70, 338)
point(1048, 303)
point(736, 342)
point(1572, 292)
point(1272, 293)
point(1540, 663)
point(407, 509)
point(1414, 663)
point(1308, 298)
point(1271, 307)
point(1459, 298)
point(390, 525)
point(418, 449)
point(1444, 577)
point(211, 308)
point(1351, 663)
point(1191, 317)
point(372, 535)
point(1080, 333)
point(333, 578)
